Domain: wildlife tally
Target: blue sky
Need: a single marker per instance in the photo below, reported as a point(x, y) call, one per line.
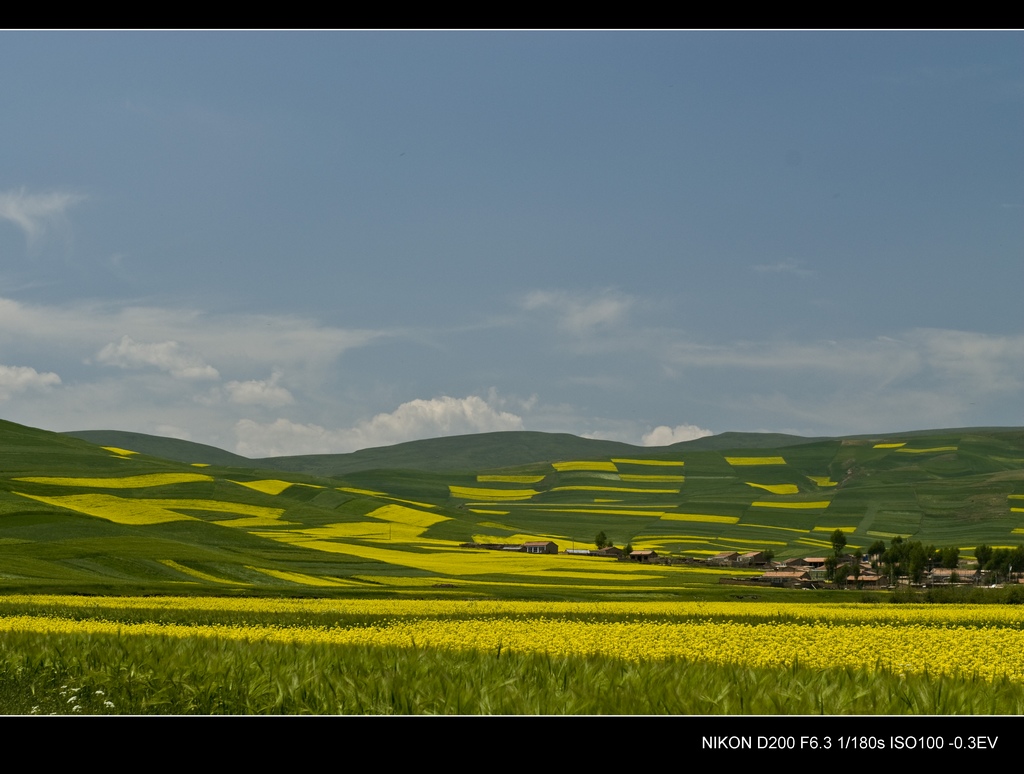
point(296, 242)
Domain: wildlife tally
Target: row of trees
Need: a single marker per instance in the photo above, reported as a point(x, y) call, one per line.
point(1001, 563)
point(912, 559)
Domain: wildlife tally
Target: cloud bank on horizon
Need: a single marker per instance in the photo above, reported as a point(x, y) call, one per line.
point(643, 237)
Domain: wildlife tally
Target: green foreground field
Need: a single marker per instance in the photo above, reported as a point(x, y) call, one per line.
point(74, 655)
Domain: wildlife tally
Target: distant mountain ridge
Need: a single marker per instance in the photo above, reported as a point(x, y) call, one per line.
point(470, 452)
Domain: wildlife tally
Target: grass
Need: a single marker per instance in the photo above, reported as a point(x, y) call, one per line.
point(117, 675)
point(127, 666)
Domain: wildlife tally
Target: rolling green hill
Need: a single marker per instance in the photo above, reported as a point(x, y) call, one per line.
point(150, 515)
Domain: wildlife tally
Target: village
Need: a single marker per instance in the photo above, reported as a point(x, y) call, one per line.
point(874, 570)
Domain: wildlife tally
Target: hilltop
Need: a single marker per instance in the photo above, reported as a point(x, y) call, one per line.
point(452, 453)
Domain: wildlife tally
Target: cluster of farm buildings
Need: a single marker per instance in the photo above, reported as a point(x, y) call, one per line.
point(806, 572)
point(813, 572)
point(550, 547)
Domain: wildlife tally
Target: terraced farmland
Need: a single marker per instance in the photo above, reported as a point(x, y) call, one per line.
point(75, 516)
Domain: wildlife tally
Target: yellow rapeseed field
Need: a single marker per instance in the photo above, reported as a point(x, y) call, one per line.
point(823, 481)
point(640, 477)
point(585, 465)
point(400, 514)
point(496, 495)
point(271, 486)
point(700, 517)
point(119, 451)
point(494, 478)
point(119, 510)
point(122, 482)
point(984, 640)
point(801, 506)
point(624, 461)
point(779, 489)
point(739, 461)
point(583, 488)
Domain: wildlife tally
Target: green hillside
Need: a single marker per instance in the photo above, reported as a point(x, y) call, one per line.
point(75, 516)
point(158, 446)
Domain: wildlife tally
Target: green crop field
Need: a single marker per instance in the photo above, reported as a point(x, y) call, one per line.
point(109, 520)
point(78, 517)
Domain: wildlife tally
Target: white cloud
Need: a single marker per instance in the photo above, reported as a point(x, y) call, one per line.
point(169, 356)
point(232, 341)
point(979, 361)
point(14, 379)
point(410, 421)
point(282, 438)
point(260, 392)
point(982, 362)
point(663, 435)
point(35, 213)
point(580, 313)
point(438, 416)
point(173, 431)
point(853, 411)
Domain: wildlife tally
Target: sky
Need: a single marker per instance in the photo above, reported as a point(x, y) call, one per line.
point(311, 242)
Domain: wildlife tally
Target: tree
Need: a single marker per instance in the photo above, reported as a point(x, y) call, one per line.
point(855, 572)
point(983, 554)
point(838, 542)
point(841, 574)
point(875, 551)
point(950, 557)
point(918, 562)
point(601, 541)
point(831, 563)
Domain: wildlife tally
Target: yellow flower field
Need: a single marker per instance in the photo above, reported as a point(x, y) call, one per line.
point(267, 486)
point(798, 506)
point(582, 488)
point(741, 461)
point(116, 509)
point(119, 451)
point(985, 641)
point(823, 481)
point(123, 482)
point(585, 465)
point(499, 479)
point(495, 495)
point(700, 517)
point(779, 489)
point(625, 461)
point(641, 477)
